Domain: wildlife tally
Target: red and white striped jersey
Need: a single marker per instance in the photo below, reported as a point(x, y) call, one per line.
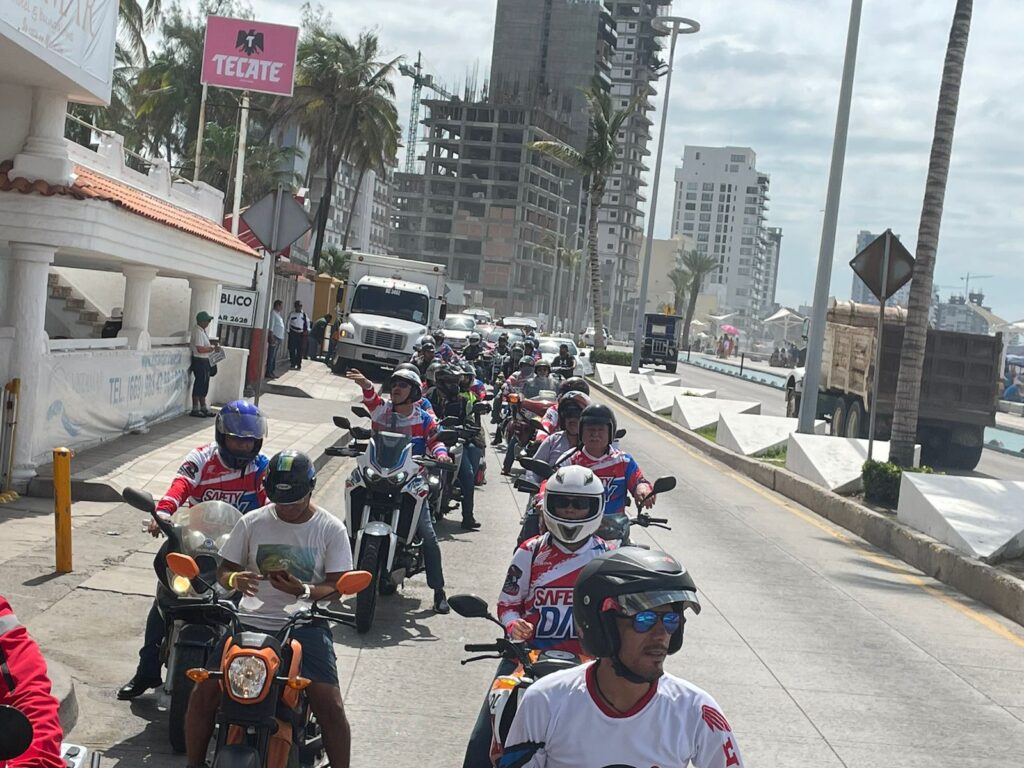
point(538, 588)
point(204, 477)
point(563, 722)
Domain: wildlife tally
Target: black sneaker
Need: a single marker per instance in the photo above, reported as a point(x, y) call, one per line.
point(470, 524)
point(441, 602)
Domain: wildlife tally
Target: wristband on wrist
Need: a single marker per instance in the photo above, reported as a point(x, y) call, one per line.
point(231, 579)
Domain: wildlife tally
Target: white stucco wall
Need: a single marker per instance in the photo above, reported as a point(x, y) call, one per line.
point(169, 301)
point(14, 119)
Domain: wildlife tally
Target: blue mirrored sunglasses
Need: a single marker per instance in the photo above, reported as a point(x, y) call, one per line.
point(644, 621)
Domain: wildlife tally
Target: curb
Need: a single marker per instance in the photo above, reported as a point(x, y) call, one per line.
point(63, 690)
point(997, 589)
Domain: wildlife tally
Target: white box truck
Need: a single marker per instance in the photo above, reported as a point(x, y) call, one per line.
point(389, 304)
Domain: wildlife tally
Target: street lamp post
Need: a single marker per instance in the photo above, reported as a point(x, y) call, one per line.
point(678, 26)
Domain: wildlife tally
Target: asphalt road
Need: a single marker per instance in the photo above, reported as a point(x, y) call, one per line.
point(822, 651)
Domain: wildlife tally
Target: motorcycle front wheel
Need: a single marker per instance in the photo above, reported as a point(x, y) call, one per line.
point(187, 657)
point(373, 561)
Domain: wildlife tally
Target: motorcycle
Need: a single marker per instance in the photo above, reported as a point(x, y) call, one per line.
point(192, 633)
point(449, 488)
point(264, 718)
point(16, 736)
point(384, 498)
point(507, 690)
point(614, 527)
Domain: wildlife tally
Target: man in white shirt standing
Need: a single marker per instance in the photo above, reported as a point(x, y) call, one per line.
point(275, 337)
point(200, 367)
point(298, 332)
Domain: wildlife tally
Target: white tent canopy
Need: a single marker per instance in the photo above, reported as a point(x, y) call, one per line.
point(785, 317)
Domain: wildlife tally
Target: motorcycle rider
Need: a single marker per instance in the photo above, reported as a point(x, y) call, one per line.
point(426, 355)
point(515, 383)
point(468, 382)
point(230, 469)
point(564, 360)
point(530, 348)
point(572, 384)
point(509, 367)
point(448, 400)
point(473, 348)
point(401, 414)
point(25, 685)
point(541, 381)
point(317, 548)
point(629, 607)
point(444, 349)
point(502, 348)
point(569, 408)
point(535, 604)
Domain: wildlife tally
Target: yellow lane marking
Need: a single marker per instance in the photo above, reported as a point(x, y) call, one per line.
point(848, 539)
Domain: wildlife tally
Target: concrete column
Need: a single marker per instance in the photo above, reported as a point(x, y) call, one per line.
point(30, 265)
point(205, 296)
point(138, 285)
point(45, 155)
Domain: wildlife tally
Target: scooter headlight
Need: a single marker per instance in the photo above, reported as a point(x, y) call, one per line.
point(246, 676)
point(180, 585)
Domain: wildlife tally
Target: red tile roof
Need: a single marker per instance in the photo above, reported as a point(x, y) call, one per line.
point(91, 185)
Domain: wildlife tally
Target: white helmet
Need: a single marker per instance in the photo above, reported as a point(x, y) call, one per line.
point(581, 485)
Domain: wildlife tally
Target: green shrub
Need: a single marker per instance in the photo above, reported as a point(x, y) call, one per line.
point(882, 481)
point(611, 357)
point(708, 433)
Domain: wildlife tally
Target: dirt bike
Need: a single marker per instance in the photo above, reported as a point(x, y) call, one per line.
point(264, 718)
point(507, 690)
point(192, 633)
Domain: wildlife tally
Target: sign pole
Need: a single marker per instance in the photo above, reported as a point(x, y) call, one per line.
point(268, 285)
point(878, 343)
point(243, 133)
point(202, 131)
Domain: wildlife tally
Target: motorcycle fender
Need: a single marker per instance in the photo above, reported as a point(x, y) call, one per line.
point(237, 756)
point(378, 530)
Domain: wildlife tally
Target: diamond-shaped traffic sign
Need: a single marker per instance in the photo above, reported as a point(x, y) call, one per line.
point(868, 265)
point(293, 221)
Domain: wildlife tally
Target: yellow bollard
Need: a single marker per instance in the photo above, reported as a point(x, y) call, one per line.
point(62, 507)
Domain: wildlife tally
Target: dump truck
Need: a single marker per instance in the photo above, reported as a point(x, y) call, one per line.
point(959, 385)
point(661, 340)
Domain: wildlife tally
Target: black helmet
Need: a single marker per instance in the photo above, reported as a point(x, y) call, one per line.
point(574, 384)
point(290, 477)
point(244, 420)
point(630, 579)
point(598, 414)
point(430, 375)
point(408, 367)
point(572, 402)
point(503, 335)
point(427, 344)
point(446, 378)
point(439, 335)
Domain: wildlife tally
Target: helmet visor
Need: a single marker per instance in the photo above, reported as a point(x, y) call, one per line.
point(646, 601)
point(243, 424)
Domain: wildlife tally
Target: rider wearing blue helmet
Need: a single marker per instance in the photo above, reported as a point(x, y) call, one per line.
point(230, 469)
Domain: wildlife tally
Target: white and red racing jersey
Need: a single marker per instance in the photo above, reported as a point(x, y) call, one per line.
point(563, 722)
point(204, 477)
point(617, 470)
point(538, 587)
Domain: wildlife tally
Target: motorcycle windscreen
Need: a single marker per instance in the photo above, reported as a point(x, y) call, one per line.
point(389, 451)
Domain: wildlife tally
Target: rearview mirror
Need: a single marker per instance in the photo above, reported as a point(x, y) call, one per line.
point(352, 582)
point(664, 484)
point(16, 732)
point(537, 466)
point(447, 439)
point(444, 310)
point(341, 422)
point(361, 433)
point(182, 565)
point(450, 422)
point(139, 499)
point(359, 410)
point(469, 606)
point(619, 434)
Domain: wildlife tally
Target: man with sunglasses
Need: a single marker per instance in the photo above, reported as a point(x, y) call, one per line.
point(535, 604)
point(402, 414)
point(629, 609)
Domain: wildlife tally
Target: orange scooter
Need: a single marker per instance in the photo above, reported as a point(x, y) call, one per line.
point(264, 718)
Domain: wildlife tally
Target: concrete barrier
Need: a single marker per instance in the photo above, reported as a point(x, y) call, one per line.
point(833, 462)
point(699, 412)
point(996, 588)
point(753, 434)
point(659, 398)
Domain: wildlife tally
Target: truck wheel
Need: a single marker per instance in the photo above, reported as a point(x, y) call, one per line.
point(835, 428)
point(671, 367)
point(963, 456)
point(854, 426)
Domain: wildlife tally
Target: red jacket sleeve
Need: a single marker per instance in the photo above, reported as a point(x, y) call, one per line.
point(372, 400)
point(24, 684)
point(183, 484)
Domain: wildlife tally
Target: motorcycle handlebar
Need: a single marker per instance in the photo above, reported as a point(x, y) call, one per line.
point(482, 648)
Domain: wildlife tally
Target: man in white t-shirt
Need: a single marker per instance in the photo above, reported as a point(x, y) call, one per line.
point(281, 558)
point(623, 710)
point(201, 347)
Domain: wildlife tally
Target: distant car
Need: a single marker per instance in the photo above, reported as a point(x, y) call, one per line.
point(457, 329)
point(588, 336)
point(514, 335)
point(519, 322)
point(549, 348)
point(480, 315)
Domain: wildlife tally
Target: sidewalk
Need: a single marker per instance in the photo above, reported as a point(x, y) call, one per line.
point(298, 404)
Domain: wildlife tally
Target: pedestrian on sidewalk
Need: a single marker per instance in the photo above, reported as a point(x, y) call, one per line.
point(317, 336)
point(200, 367)
point(298, 332)
point(275, 338)
point(25, 685)
point(230, 469)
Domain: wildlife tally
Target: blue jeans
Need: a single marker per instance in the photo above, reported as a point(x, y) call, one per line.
point(471, 455)
point(431, 549)
point(510, 453)
point(478, 751)
point(149, 653)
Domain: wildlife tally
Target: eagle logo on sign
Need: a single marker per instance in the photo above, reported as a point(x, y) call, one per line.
point(249, 42)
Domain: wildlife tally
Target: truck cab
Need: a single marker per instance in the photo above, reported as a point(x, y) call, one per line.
point(661, 340)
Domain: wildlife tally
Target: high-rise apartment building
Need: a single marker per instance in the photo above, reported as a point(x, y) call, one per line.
point(769, 279)
point(721, 201)
point(859, 290)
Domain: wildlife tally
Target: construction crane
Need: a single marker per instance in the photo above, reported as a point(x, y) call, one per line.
point(967, 282)
point(419, 82)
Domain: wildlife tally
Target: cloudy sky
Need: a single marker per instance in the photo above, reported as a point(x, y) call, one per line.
point(765, 74)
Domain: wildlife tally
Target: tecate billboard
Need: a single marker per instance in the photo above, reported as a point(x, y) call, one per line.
point(250, 55)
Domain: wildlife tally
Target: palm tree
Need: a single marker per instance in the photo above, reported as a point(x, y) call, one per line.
point(908, 387)
point(334, 262)
point(680, 280)
point(135, 22)
point(340, 85)
point(374, 145)
point(698, 266)
point(595, 162)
